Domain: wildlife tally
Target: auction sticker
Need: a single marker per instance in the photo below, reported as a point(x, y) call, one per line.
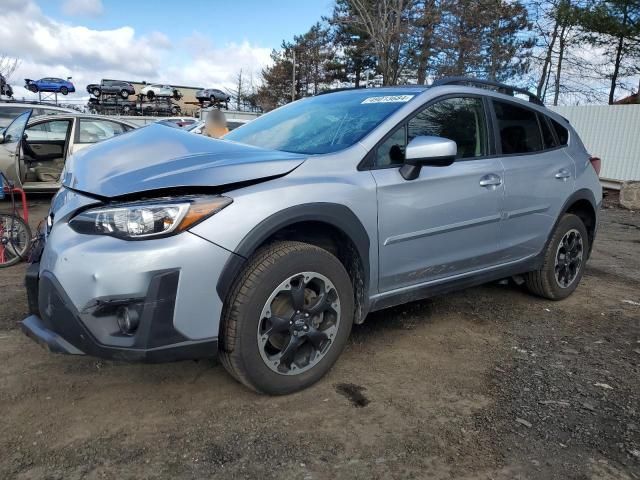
point(388, 99)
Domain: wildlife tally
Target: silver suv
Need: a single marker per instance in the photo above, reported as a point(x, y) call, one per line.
point(266, 247)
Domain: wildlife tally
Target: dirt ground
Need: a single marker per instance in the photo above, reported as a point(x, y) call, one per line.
point(488, 383)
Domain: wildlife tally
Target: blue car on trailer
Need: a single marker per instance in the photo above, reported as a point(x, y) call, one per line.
point(50, 85)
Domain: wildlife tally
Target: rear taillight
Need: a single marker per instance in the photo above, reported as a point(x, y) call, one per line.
point(596, 163)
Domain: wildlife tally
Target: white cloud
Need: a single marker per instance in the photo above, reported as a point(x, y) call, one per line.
point(210, 65)
point(89, 8)
point(54, 48)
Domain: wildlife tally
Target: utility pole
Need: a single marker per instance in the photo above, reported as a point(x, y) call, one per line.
point(293, 77)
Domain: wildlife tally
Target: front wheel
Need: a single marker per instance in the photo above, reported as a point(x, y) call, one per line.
point(33, 88)
point(64, 90)
point(150, 94)
point(15, 239)
point(124, 94)
point(564, 260)
point(287, 318)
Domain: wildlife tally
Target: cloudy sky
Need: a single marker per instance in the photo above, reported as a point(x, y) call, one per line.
point(182, 42)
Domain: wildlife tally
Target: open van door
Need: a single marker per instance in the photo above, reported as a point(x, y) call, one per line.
point(10, 142)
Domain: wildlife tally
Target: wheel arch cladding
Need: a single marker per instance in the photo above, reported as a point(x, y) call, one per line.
point(330, 226)
point(582, 203)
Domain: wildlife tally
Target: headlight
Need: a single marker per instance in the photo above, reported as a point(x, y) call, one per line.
point(147, 219)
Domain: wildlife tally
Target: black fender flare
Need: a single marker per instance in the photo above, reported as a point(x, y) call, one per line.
point(339, 216)
point(582, 194)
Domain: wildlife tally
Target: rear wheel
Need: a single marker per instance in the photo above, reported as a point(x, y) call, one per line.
point(564, 260)
point(150, 94)
point(15, 238)
point(96, 92)
point(287, 318)
point(124, 94)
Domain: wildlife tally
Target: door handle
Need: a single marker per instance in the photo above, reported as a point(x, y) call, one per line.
point(563, 174)
point(490, 181)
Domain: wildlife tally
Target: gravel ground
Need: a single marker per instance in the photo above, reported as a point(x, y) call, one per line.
point(488, 383)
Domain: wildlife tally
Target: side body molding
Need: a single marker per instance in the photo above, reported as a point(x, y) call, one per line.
point(339, 216)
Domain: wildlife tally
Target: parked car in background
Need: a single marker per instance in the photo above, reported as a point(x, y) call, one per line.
point(182, 122)
point(158, 107)
point(212, 95)
point(49, 84)
point(198, 126)
point(151, 91)
point(111, 105)
point(124, 89)
point(35, 160)
point(10, 110)
point(266, 247)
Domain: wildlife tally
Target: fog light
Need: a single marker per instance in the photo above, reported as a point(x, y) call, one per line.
point(128, 320)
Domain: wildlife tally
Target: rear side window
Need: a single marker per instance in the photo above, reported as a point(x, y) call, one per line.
point(547, 137)
point(518, 127)
point(561, 132)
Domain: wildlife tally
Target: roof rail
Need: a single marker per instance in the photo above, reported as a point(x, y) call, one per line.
point(501, 87)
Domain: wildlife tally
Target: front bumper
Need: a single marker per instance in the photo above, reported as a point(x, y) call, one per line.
point(57, 325)
point(78, 290)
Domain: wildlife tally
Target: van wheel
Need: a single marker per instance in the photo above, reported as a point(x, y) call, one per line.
point(564, 260)
point(287, 318)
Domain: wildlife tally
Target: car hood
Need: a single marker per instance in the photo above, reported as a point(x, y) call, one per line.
point(158, 157)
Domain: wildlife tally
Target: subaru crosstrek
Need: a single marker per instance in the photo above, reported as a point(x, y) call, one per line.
point(267, 246)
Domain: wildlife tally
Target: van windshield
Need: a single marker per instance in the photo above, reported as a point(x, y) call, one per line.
point(324, 123)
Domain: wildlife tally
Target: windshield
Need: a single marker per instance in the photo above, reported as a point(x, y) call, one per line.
point(322, 124)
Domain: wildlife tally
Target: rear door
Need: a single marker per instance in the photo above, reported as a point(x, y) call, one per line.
point(445, 222)
point(539, 177)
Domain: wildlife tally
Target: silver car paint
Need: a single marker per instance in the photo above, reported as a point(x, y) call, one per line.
point(158, 156)
point(422, 231)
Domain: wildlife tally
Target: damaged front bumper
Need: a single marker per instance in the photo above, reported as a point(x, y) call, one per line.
point(84, 286)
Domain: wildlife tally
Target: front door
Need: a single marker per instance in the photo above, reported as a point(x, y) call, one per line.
point(444, 223)
point(44, 151)
point(10, 147)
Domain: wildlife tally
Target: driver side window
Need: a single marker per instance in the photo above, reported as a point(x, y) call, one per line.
point(461, 119)
point(53, 130)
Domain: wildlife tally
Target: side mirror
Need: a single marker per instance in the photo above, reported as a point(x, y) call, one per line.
point(427, 151)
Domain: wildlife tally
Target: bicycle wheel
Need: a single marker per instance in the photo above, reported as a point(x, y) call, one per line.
point(15, 238)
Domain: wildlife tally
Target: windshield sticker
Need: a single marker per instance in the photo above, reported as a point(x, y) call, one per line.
point(388, 99)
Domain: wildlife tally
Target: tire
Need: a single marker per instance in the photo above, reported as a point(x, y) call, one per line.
point(544, 282)
point(15, 239)
point(212, 99)
point(64, 90)
point(33, 88)
point(124, 94)
point(96, 92)
point(269, 269)
point(150, 94)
